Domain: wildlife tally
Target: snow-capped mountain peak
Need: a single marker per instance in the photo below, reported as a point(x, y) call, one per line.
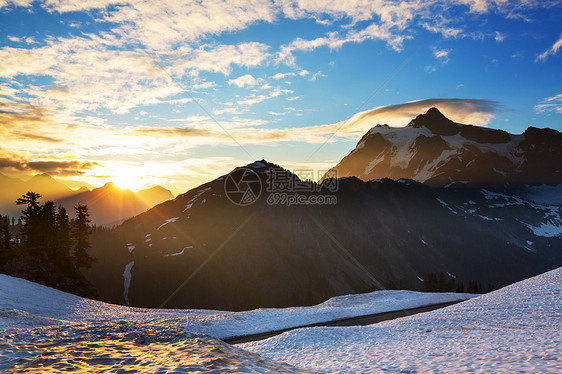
point(433, 149)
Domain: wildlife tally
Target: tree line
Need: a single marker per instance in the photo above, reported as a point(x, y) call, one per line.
point(46, 229)
point(5, 233)
point(445, 283)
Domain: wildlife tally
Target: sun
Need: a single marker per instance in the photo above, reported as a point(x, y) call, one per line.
point(125, 178)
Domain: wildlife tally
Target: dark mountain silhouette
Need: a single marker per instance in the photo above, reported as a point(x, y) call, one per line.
point(12, 188)
point(437, 151)
point(154, 195)
point(107, 205)
point(110, 204)
point(381, 233)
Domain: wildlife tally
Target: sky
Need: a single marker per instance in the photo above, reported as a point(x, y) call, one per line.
point(178, 93)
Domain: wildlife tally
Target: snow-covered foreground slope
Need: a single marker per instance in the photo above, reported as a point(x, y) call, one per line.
point(45, 330)
point(515, 329)
point(52, 330)
point(229, 324)
point(39, 305)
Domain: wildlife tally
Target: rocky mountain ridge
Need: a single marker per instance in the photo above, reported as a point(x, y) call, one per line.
point(437, 151)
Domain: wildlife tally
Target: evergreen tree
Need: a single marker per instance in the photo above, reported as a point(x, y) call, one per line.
point(1, 232)
point(81, 232)
point(64, 241)
point(6, 234)
point(30, 230)
point(47, 228)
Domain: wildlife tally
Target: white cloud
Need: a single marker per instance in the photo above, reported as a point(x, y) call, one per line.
point(447, 32)
point(221, 58)
point(468, 111)
point(282, 75)
point(430, 69)
point(551, 51)
point(20, 3)
point(90, 74)
point(550, 104)
point(203, 85)
point(163, 25)
point(442, 54)
point(245, 81)
point(334, 40)
point(479, 6)
point(499, 37)
point(228, 110)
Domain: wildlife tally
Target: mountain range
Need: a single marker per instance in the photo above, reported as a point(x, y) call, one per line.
point(107, 205)
point(483, 213)
point(437, 151)
point(467, 205)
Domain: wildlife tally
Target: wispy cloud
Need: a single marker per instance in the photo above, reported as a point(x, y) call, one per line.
point(442, 54)
point(11, 161)
point(469, 111)
point(283, 75)
point(440, 28)
point(550, 104)
point(499, 37)
point(551, 51)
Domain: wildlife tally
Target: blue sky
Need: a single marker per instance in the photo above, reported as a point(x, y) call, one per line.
point(178, 93)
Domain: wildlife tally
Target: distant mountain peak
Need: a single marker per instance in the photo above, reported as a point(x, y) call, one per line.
point(436, 122)
point(110, 186)
point(433, 149)
point(42, 176)
point(155, 195)
point(261, 164)
point(155, 188)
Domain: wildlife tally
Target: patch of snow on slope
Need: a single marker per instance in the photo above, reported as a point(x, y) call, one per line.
point(371, 165)
point(178, 253)
point(552, 220)
point(191, 201)
point(446, 205)
point(47, 304)
point(167, 221)
point(544, 194)
point(508, 150)
point(127, 281)
point(261, 320)
point(402, 139)
point(428, 170)
point(257, 165)
point(500, 172)
point(515, 329)
point(130, 247)
point(548, 229)
point(45, 330)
